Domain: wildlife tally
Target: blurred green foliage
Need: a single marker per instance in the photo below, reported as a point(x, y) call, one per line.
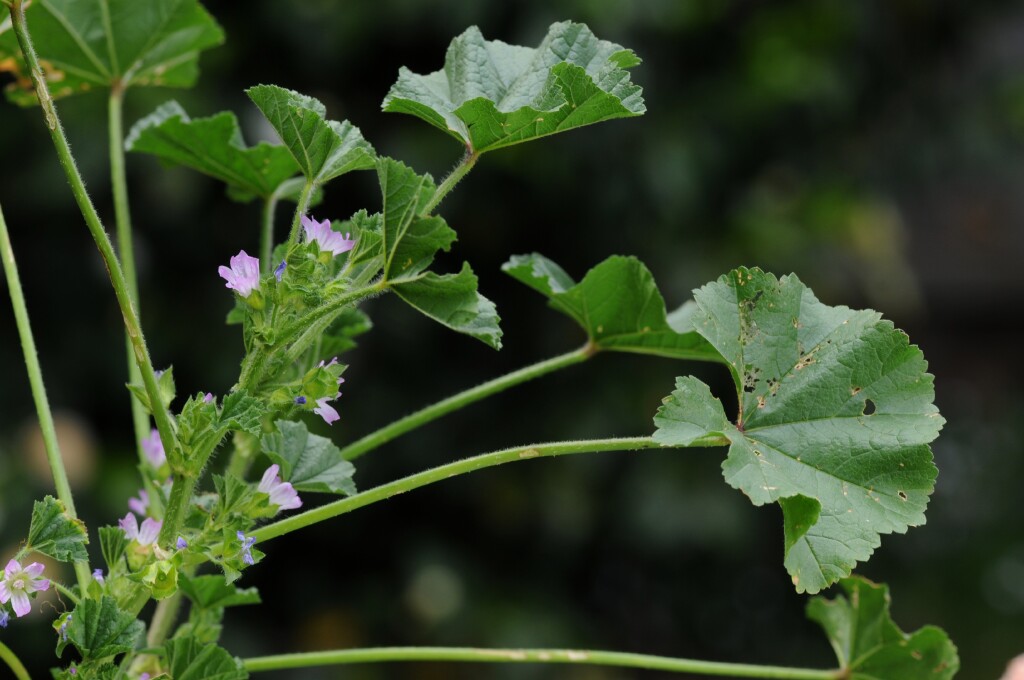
point(874, 148)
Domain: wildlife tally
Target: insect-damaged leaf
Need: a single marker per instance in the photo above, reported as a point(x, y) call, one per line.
point(834, 422)
point(490, 94)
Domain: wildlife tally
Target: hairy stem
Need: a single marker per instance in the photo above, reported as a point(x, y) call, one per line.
point(300, 209)
point(163, 419)
point(267, 233)
point(177, 507)
point(126, 251)
point(467, 465)
point(547, 656)
point(38, 387)
point(163, 620)
point(464, 398)
point(453, 178)
point(14, 663)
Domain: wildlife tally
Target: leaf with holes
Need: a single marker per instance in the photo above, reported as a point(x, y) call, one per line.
point(870, 646)
point(85, 44)
point(55, 533)
point(618, 305)
point(324, 149)
point(490, 94)
point(835, 417)
point(214, 147)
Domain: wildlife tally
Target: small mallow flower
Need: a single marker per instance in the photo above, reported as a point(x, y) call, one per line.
point(326, 238)
point(282, 494)
point(244, 274)
point(4, 617)
point(181, 543)
point(18, 583)
point(154, 449)
point(326, 411)
point(279, 271)
point(141, 504)
point(64, 628)
point(97, 575)
point(246, 551)
point(300, 400)
point(143, 535)
point(208, 397)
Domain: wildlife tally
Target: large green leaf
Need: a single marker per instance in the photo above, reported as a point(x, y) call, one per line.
point(190, 659)
point(870, 646)
point(84, 44)
point(490, 94)
point(618, 305)
point(453, 300)
point(213, 146)
point(308, 461)
point(99, 628)
point(834, 420)
point(324, 149)
point(55, 533)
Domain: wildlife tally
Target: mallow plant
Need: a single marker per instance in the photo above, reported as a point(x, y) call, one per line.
point(835, 407)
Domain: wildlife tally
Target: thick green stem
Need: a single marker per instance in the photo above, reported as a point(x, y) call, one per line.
point(300, 209)
point(163, 620)
point(14, 663)
point(453, 178)
point(462, 399)
point(163, 419)
point(126, 251)
point(38, 387)
point(443, 472)
point(580, 657)
point(267, 233)
point(177, 507)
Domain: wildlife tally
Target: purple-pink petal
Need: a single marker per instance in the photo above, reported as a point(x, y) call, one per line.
point(22, 605)
point(141, 504)
point(35, 570)
point(12, 568)
point(244, 274)
point(326, 411)
point(149, 531)
point(326, 238)
point(130, 526)
point(154, 448)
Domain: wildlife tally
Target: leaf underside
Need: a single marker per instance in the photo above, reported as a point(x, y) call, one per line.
point(870, 646)
point(835, 418)
point(490, 94)
point(85, 44)
point(618, 305)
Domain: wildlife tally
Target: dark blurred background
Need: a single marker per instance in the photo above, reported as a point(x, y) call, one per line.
point(875, 148)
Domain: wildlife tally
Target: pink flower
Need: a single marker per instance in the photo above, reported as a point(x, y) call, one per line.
point(17, 584)
point(144, 535)
point(154, 449)
point(282, 494)
point(141, 504)
point(243, 275)
point(326, 238)
point(326, 411)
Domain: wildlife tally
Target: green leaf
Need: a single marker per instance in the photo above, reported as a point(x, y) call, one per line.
point(190, 659)
point(617, 303)
point(84, 44)
point(408, 240)
point(211, 591)
point(490, 95)
point(113, 543)
point(308, 461)
point(233, 493)
point(324, 149)
point(834, 421)
point(55, 533)
point(242, 413)
point(688, 414)
point(338, 338)
point(213, 146)
point(870, 646)
point(100, 629)
point(453, 300)
point(165, 385)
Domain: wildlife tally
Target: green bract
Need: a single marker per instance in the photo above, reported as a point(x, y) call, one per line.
point(214, 146)
point(834, 420)
point(870, 646)
point(84, 44)
point(490, 94)
point(617, 304)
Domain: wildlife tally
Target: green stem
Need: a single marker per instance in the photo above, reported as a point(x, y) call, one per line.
point(13, 662)
point(38, 387)
point(552, 656)
point(443, 472)
point(267, 233)
point(163, 419)
point(453, 178)
point(126, 251)
point(163, 620)
point(300, 209)
point(65, 591)
point(464, 398)
point(177, 507)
